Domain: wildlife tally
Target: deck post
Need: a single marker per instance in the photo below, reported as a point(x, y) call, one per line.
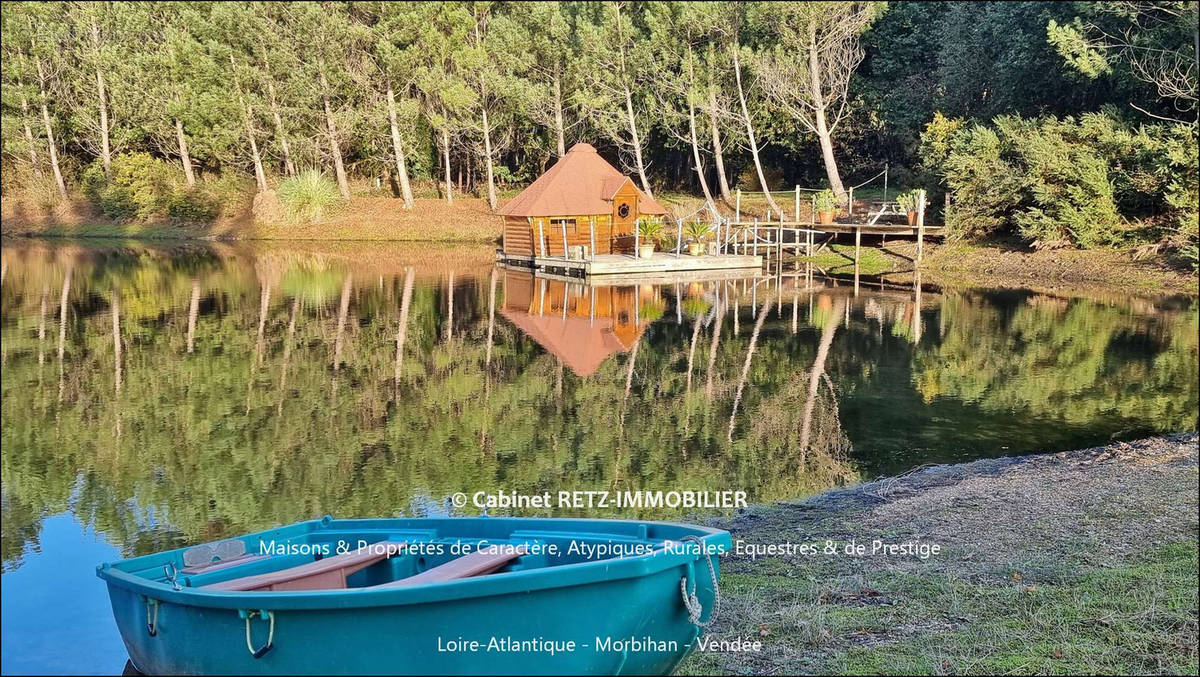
point(797, 204)
point(737, 210)
point(678, 236)
point(541, 240)
point(885, 178)
point(754, 247)
point(920, 225)
point(812, 212)
point(850, 202)
point(637, 241)
point(857, 242)
point(592, 237)
point(563, 223)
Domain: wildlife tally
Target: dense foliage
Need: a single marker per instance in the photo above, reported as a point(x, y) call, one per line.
point(1087, 182)
point(473, 96)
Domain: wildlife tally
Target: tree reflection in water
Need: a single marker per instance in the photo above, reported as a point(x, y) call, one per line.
point(209, 391)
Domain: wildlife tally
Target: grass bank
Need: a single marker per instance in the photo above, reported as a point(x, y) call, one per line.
point(959, 264)
point(1082, 562)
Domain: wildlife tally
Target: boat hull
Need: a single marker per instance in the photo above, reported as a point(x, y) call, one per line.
point(620, 616)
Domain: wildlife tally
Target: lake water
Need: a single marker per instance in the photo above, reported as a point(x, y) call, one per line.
point(160, 396)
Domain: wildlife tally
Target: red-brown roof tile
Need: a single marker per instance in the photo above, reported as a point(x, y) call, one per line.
point(581, 182)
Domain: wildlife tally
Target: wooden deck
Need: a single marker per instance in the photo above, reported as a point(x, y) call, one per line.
point(662, 263)
point(865, 229)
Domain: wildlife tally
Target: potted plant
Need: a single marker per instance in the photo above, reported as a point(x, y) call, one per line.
point(908, 202)
point(698, 232)
point(823, 204)
point(648, 233)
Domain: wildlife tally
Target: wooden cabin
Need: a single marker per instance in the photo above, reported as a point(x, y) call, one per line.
point(580, 328)
point(582, 197)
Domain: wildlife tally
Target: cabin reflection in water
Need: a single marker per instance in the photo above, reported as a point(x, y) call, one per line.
point(580, 324)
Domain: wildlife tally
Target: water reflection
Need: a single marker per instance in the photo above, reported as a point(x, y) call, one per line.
point(176, 395)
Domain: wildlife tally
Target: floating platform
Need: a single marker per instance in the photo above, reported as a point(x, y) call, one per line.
point(624, 265)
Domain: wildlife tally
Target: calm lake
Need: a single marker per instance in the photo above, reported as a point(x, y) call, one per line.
point(160, 396)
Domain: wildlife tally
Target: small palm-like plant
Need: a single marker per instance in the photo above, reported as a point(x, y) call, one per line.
point(908, 200)
point(649, 229)
point(697, 231)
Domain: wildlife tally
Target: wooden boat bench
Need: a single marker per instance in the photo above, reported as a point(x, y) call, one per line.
point(329, 573)
point(476, 563)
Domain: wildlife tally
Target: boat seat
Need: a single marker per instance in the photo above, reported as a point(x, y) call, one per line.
point(222, 564)
point(329, 573)
point(476, 563)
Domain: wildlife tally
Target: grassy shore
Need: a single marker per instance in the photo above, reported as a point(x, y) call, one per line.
point(470, 220)
point(1079, 562)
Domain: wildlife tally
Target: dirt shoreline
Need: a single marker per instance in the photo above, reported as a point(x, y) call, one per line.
point(1070, 562)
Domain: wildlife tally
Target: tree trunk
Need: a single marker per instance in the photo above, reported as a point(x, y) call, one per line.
point(58, 177)
point(62, 314)
point(264, 305)
point(450, 307)
point(42, 329)
point(487, 155)
point(116, 323)
point(343, 313)
point(487, 360)
point(260, 176)
point(288, 166)
point(633, 131)
point(33, 158)
point(402, 332)
point(712, 352)
point(637, 144)
point(762, 179)
point(818, 368)
point(338, 167)
point(823, 133)
point(105, 146)
point(398, 149)
point(184, 157)
point(718, 151)
point(692, 352)
point(193, 313)
point(446, 164)
point(559, 131)
point(695, 142)
point(762, 316)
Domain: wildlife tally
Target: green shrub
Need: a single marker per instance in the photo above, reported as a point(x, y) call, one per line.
point(308, 196)
point(824, 201)
point(1095, 181)
point(143, 182)
point(192, 206)
point(908, 200)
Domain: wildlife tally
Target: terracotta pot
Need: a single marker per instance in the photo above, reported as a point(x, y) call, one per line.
point(912, 217)
point(695, 248)
point(825, 217)
point(645, 250)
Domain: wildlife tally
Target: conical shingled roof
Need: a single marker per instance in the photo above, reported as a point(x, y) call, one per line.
point(581, 182)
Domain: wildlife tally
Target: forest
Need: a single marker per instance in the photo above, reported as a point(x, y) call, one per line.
point(1058, 123)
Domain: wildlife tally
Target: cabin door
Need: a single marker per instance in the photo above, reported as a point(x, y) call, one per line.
point(623, 221)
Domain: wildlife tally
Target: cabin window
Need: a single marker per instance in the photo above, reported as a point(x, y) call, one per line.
point(623, 211)
point(557, 224)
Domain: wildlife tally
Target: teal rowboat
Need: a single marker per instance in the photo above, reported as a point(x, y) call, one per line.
point(441, 596)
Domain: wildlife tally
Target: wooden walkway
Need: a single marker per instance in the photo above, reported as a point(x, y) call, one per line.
point(624, 265)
